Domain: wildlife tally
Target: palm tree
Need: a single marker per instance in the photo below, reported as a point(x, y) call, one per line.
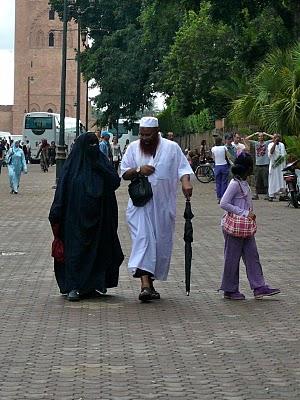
point(273, 101)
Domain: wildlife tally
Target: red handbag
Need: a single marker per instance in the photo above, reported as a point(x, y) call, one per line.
point(58, 250)
point(239, 226)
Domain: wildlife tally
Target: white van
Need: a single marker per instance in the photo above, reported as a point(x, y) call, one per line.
point(9, 136)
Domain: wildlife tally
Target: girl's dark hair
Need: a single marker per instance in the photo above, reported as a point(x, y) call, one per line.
point(243, 165)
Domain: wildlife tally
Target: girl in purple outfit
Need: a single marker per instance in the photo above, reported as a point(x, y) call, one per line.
point(237, 199)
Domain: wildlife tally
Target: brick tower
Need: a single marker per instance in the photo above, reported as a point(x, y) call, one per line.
point(38, 41)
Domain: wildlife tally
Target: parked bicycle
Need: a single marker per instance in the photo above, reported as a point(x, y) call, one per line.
point(205, 172)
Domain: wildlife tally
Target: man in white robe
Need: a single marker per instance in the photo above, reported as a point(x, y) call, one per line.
point(277, 155)
point(152, 226)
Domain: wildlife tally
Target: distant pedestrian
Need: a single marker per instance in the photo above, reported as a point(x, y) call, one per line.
point(261, 170)
point(237, 143)
point(203, 151)
point(277, 155)
point(2, 153)
point(98, 134)
point(116, 153)
point(84, 220)
point(231, 152)
point(16, 164)
point(28, 150)
point(221, 167)
point(195, 159)
point(43, 153)
point(25, 151)
point(82, 129)
point(237, 200)
point(170, 136)
point(52, 153)
point(105, 146)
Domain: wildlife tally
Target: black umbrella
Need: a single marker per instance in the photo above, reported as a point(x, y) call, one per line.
point(188, 238)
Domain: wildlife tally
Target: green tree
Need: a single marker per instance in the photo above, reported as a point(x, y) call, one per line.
point(119, 67)
point(200, 56)
point(117, 60)
point(160, 21)
point(192, 50)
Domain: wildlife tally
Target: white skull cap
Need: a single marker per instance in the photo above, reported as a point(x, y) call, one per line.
point(149, 122)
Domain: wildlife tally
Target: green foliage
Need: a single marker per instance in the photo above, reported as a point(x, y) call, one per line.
point(244, 131)
point(259, 35)
point(202, 54)
point(199, 57)
point(170, 120)
point(199, 123)
point(273, 101)
point(232, 87)
point(293, 147)
point(124, 90)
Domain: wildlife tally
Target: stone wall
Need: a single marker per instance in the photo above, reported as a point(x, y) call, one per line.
point(194, 141)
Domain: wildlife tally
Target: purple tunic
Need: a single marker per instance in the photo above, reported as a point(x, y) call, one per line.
point(237, 199)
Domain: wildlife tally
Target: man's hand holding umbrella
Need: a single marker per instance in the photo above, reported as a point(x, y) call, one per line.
point(187, 187)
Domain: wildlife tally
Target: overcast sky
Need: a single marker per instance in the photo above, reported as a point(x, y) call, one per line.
point(7, 30)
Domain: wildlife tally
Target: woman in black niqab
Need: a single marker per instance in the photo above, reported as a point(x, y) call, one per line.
point(84, 215)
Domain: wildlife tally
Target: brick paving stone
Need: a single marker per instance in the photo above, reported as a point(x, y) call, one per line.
point(196, 347)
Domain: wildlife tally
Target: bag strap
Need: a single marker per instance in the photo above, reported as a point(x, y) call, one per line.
point(237, 180)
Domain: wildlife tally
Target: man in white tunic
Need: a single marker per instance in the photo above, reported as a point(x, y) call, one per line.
point(277, 155)
point(152, 226)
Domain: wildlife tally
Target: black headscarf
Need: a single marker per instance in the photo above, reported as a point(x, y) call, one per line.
point(97, 175)
point(86, 158)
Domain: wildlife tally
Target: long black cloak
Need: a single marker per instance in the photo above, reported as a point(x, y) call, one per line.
point(85, 208)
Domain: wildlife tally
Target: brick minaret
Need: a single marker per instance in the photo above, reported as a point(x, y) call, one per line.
point(38, 39)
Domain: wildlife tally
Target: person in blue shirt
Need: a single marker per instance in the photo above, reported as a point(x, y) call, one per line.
point(105, 146)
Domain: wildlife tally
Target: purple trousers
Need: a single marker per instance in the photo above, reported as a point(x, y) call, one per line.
point(234, 249)
point(221, 174)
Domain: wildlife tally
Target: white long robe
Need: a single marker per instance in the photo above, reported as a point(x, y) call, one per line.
point(276, 181)
point(152, 226)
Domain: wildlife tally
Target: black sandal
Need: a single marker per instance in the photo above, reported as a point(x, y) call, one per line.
point(145, 295)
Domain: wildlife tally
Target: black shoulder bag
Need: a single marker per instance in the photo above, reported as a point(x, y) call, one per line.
point(140, 190)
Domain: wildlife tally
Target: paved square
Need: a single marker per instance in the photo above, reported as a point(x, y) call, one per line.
point(114, 348)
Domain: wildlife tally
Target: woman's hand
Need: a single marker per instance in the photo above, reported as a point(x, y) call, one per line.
point(251, 215)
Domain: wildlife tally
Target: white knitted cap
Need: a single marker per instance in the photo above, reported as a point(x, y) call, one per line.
point(149, 122)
